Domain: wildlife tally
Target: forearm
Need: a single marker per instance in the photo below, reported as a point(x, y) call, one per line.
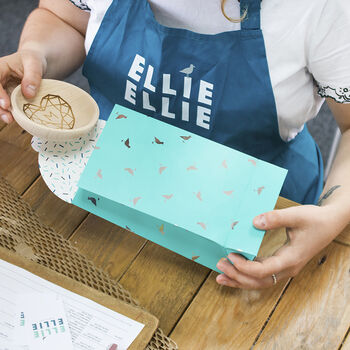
point(336, 193)
point(61, 45)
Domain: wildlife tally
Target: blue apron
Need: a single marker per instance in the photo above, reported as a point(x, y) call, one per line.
point(217, 86)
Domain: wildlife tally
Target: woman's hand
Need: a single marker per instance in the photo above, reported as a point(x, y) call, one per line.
point(309, 229)
point(52, 43)
point(25, 67)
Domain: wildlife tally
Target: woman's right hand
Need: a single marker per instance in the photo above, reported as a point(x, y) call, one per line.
point(25, 67)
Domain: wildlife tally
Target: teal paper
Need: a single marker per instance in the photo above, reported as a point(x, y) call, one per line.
point(177, 189)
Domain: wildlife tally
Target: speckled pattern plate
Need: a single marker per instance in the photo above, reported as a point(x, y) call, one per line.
point(62, 163)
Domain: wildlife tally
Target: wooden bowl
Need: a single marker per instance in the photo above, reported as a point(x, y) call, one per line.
point(60, 111)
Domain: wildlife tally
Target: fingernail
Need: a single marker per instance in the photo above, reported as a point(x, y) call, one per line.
point(221, 280)
point(260, 220)
point(5, 118)
point(2, 103)
point(31, 88)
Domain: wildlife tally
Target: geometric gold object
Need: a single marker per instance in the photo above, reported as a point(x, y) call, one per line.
point(51, 117)
point(53, 112)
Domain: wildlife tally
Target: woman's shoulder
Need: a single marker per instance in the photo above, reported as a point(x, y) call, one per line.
point(304, 10)
point(311, 34)
point(308, 21)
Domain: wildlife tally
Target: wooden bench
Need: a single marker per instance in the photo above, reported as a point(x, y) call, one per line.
point(311, 311)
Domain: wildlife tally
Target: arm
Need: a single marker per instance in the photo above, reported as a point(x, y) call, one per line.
point(51, 45)
point(309, 228)
point(56, 30)
point(337, 189)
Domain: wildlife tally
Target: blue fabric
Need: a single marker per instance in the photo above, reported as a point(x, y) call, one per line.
point(217, 86)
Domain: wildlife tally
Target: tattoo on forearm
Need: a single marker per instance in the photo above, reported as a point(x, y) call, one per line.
point(327, 194)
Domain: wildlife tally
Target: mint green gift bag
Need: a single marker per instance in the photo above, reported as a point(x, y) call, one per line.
point(184, 192)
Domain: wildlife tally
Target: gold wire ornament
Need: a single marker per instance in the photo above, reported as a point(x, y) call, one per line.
point(53, 112)
point(233, 20)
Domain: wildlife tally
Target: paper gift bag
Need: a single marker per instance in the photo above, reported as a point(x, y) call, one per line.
point(184, 192)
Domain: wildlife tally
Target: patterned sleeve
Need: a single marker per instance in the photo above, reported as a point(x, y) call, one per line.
point(338, 94)
point(82, 4)
point(329, 50)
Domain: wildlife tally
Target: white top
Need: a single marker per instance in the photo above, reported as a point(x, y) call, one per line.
point(307, 46)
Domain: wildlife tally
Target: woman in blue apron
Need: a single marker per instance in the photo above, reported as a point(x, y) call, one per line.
point(217, 86)
point(192, 91)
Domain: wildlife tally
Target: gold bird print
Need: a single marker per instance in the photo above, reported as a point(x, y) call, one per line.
point(157, 141)
point(202, 225)
point(252, 161)
point(185, 137)
point(127, 143)
point(195, 257)
point(99, 173)
point(161, 229)
point(130, 171)
point(135, 200)
point(192, 167)
point(95, 147)
point(259, 190)
point(167, 196)
point(161, 169)
point(199, 196)
point(228, 193)
point(234, 224)
point(121, 116)
point(224, 164)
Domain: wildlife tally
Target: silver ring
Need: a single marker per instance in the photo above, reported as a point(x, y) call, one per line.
point(274, 278)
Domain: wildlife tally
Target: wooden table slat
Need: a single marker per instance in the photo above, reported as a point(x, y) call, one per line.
point(344, 237)
point(314, 312)
point(110, 247)
point(2, 125)
point(63, 217)
point(164, 283)
point(222, 318)
point(19, 165)
point(19, 162)
point(346, 344)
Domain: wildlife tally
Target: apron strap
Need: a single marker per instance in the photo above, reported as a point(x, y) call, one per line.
point(252, 19)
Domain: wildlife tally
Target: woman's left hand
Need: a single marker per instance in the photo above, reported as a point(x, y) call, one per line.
point(309, 229)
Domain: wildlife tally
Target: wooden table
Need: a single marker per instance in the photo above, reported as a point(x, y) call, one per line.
point(311, 311)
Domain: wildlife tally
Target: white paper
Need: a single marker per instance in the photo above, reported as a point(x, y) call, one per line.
point(92, 326)
point(41, 322)
point(11, 346)
point(62, 163)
